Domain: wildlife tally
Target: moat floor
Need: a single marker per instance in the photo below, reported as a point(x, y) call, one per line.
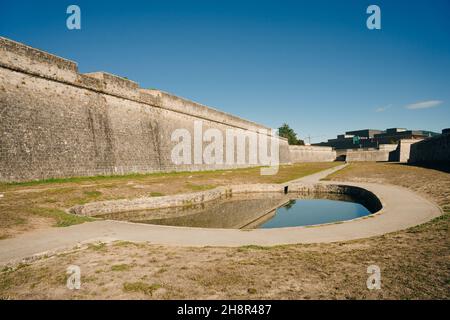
point(402, 209)
point(414, 263)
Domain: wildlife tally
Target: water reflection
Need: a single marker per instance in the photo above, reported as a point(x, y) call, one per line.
point(257, 210)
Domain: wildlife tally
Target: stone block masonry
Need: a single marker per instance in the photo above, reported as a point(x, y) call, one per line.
point(381, 153)
point(311, 154)
point(432, 150)
point(401, 154)
point(56, 122)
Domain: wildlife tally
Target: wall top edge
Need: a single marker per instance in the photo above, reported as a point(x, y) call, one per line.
point(34, 53)
point(14, 48)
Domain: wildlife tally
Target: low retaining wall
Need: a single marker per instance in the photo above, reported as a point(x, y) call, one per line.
point(185, 199)
point(365, 197)
point(311, 154)
point(431, 150)
point(368, 199)
point(381, 153)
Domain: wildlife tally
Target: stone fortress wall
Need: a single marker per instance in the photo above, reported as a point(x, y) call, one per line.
point(370, 154)
point(312, 154)
point(402, 153)
point(432, 150)
point(56, 122)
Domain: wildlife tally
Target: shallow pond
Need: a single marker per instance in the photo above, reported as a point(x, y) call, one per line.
point(261, 210)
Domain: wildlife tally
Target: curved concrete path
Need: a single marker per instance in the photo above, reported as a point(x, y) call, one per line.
point(401, 209)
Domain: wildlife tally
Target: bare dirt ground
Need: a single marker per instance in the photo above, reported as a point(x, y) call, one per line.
point(414, 263)
point(33, 205)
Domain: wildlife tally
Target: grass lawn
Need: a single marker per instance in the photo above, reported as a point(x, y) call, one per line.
point(415, 263)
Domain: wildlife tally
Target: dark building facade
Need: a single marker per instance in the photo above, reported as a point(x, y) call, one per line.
point(393, 135)
point(372, 138)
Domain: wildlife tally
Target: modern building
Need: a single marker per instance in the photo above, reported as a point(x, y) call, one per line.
point(393, 135)
point(372, 138)
point(370, 133)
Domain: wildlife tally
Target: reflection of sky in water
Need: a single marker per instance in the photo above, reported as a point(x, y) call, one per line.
point(253, 211)
point(306, 212)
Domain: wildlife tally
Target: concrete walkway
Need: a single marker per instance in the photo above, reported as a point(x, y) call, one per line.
point(401, 209)
point(316, 177)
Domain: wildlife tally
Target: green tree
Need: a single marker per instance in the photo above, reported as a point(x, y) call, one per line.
point(287, 132)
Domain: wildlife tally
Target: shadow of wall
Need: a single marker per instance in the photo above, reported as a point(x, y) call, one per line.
point(432, 153)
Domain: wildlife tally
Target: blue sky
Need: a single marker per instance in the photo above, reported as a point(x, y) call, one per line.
point(312, 64)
